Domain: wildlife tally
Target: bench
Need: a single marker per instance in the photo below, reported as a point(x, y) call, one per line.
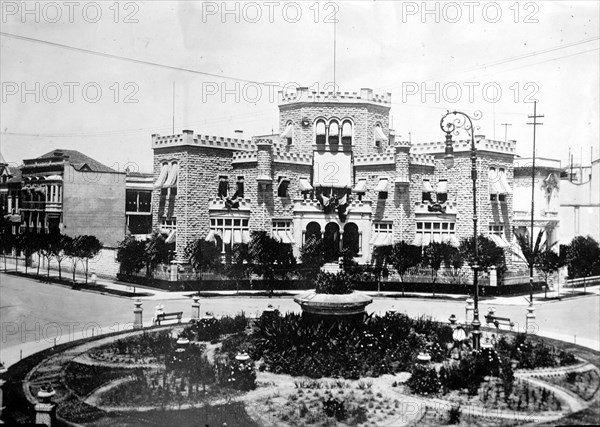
point(497, 321)
point(168, 316)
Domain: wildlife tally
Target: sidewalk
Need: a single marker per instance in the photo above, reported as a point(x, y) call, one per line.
point(159, 294)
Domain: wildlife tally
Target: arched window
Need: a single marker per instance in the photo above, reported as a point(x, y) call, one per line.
point(380, 137)
point(288, 133)
point(320, 132)
point(347, 132)
point(351, 238)
point(334, 133)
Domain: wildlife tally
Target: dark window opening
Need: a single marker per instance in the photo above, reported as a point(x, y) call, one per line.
point(223, 186)
point(426, 196)
point(282, 189)
point(383, 195)
point(492, 197)
point(502, 197)
point(442, 197)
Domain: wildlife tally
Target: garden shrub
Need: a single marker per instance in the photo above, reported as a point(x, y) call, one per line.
point(454, 414)
point(329, 283)
point(334, 407)
point(240, 376)
point(424, 380)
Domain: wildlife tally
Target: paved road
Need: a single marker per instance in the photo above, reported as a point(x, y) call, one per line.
point(32, 314)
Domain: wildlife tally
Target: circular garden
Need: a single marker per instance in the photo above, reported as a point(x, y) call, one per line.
point(295, 370)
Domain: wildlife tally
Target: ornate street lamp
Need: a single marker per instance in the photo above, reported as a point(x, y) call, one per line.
point(450, 123)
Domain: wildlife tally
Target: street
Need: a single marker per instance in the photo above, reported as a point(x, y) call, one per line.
point(34, 314)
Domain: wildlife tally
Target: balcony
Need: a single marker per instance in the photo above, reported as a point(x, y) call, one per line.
point(33, 205)
point(53, 207)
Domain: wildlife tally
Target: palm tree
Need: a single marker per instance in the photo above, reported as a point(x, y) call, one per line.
point(530, 255)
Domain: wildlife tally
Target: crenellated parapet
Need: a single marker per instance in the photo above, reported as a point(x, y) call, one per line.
point(305, 94)
point(387, 158)
point(188, 138)
point(422, 160)
point(482, 144)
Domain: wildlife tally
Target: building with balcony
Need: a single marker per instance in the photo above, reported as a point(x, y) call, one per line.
point(335, 171)
point(546, 192)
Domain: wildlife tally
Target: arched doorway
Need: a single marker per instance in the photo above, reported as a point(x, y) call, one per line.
point(351, 238)
point(313, 229)
point(331, 242)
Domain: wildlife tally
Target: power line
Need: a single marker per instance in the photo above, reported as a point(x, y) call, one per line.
point(132, 60)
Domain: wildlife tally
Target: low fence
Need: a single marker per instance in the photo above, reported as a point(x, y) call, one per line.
point(582, 282)
point(301, 284)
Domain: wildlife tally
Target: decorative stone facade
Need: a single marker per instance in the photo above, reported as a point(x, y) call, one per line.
point(376, 189)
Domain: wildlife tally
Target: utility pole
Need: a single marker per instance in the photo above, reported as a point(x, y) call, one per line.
point(534, 124)
point(506, 125)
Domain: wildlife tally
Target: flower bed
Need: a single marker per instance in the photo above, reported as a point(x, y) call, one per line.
point(584, 384)
point(83, 379)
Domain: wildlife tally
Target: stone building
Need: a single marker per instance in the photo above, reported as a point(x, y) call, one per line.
point(335, 171)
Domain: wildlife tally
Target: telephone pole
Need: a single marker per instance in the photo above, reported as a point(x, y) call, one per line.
point(535, 124)
point(506, 125)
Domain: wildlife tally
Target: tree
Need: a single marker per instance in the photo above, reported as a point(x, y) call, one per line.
point(7, 243)
point(312, 257)
point(583, 257)
point(28, 242)
point(89, 247)
point(46, 248)
point(548, 263)
point(269, 258)
point(57, 246)
point(203, 255)
point(71, 251)
point(489, 254)
point(131, 255)
point(156, 251)
point(381, 258)
point(435, 254)
point(240, 266)
point(403, 257)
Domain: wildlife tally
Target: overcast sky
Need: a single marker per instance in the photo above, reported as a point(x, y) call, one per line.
point(493, 57)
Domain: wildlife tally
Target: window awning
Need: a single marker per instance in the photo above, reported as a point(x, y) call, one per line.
point(442, 186)
point(171, 237)
point(334, 129)
point(237, 236)
point(379, 135)
point(288, 132)
point(426, 239)
point(382, 239)
point(382, 184)
point(499, 241)
point(245, 236)
point(427, 188)
point(361, 186)
point(418, 239)
point(304, 185)
point(504, 183)
point(163, 175)
point(437, 237)
point(227, 237)
point(495, 182)
point(283, 236)
point(210, 237)
point(171, 180)
point(453, 241)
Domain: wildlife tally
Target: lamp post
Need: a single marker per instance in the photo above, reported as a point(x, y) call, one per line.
point(450, 123)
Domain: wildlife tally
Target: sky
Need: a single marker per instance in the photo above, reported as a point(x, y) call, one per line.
point(102, 77)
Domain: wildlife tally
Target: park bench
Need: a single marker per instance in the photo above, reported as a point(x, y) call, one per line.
point(497, 321)
point(168, 316)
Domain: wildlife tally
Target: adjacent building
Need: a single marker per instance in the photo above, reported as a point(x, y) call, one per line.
point(335, 171)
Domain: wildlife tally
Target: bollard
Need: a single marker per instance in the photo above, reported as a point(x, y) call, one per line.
point(137, 315)
point(469, 310)
point(45, 409)
point(529, 317)
point(196, 308)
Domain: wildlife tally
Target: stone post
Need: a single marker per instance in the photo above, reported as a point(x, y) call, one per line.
point(45, 409)
point(469, 310)
point(493, 276)
point(137, 315)
point(196, 308)
point(530, 319)
point(173, 271)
